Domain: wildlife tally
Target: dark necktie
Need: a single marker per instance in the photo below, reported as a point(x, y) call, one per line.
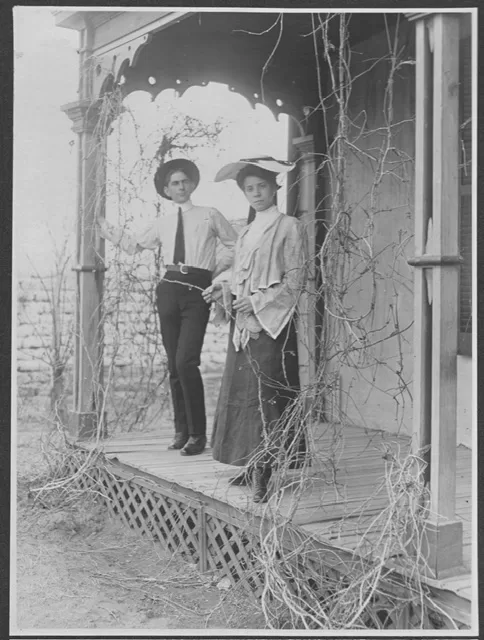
point(179, 253)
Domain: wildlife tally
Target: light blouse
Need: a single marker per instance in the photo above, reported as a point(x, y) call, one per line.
point(269, 268)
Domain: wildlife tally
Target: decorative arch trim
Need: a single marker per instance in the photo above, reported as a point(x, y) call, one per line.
point(267, 58)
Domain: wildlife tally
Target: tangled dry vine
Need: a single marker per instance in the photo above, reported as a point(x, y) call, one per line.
point(358, 342)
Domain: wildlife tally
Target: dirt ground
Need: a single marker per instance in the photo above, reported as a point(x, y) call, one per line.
point(77, 568)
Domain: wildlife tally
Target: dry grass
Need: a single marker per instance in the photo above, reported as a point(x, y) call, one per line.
point(79, 568)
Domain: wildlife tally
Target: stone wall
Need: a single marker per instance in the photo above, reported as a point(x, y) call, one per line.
point(133, 347)
point(33, 334)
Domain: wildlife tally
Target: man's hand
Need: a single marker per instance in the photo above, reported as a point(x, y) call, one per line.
point(244, 305)
point(208, 294)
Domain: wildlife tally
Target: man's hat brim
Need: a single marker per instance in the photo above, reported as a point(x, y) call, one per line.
point(230, 171)
point(180, 164)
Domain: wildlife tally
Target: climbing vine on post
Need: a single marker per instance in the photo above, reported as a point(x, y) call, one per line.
point(365, 290)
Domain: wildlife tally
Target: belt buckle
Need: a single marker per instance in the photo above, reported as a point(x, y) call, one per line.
point(184, 266)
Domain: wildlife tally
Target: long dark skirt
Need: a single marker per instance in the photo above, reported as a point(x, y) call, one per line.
point(259, 386)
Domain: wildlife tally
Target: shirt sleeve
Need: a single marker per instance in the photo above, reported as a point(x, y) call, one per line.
point(274, 306)
point(228, 236)
point(148, 239)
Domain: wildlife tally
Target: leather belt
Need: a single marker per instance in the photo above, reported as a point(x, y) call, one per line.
point(185, 269)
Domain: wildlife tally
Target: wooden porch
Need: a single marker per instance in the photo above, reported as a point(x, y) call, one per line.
point(187, 502)
point(341, 499)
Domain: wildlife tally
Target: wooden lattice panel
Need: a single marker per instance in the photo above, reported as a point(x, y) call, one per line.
point(181, 527)
point(172, 522)
point(213, 540)
point(233, 551)
point(313, 578)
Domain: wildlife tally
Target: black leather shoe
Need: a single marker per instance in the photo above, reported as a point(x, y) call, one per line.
point(261, 477)
point(194, 446)
point(179, 441)
point(241, 479)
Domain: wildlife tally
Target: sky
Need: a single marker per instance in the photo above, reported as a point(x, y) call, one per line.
point(45, 148)
point(44, 175)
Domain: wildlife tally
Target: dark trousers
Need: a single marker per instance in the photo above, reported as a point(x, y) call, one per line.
point(183, 320)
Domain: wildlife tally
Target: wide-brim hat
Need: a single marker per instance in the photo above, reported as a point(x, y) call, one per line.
point(231, 170)
point(180, 164)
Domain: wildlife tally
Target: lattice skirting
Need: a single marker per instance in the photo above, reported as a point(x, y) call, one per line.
point(182, 524)
point(216, 540)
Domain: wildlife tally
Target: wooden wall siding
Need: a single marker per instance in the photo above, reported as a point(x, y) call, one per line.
point(466, 268)
point(369, 394)
point(465, 188)
point(465, 401)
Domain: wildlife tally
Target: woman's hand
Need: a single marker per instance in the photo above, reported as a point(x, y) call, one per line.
point(101, 222)
point(208, 293)
point(244, 305)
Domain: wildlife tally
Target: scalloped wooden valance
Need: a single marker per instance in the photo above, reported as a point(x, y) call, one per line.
point(268, 57)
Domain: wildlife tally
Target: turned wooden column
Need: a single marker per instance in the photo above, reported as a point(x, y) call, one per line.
point(89, 265)
point(88, 358)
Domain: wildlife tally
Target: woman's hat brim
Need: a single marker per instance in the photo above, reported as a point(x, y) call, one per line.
point(179, 164)
point(231, 170)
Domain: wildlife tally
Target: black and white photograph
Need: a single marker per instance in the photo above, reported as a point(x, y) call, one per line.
point(244, 337)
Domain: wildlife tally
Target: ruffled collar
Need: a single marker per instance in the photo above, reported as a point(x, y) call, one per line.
point(267, 212)
point(262, 221)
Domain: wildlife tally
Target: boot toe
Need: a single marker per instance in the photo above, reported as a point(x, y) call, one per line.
point(260, 496)
point(240, 480)
point(194, 446)
point(261, 478)
point(179, 442)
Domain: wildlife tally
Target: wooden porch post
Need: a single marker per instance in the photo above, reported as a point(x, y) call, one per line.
point(422, 377)
point(445, 243)
point(436, 331)
point(88, 360)
point(306, 315)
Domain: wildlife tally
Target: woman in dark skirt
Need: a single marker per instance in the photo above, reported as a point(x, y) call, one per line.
point(260, 381)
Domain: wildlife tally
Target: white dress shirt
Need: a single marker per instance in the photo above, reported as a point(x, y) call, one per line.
point(201, 225)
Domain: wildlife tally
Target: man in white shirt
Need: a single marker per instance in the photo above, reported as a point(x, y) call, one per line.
point(188, 241)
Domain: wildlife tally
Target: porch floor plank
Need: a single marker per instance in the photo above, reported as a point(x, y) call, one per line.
point(352, 456)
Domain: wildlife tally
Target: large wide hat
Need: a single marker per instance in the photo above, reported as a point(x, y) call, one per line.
point(268, 163)
point(180, 164)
